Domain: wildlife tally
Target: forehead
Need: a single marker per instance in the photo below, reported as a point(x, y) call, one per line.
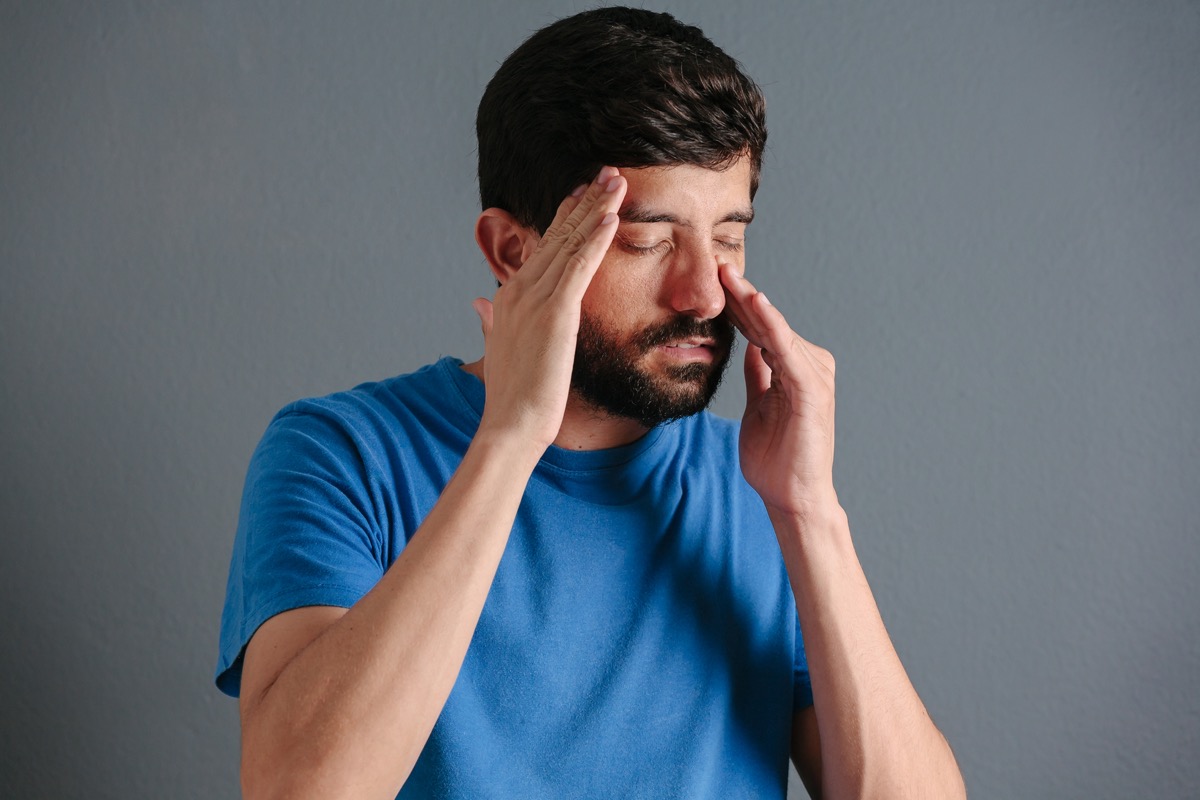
point(686, 194)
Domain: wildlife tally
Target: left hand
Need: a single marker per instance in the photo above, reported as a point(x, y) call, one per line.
point(787, 437)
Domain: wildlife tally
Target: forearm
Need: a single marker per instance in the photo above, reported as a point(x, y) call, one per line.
point(877, 739)
point(348, 716)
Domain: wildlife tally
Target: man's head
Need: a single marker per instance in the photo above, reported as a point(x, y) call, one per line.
point(619, 86)
point(643, 92)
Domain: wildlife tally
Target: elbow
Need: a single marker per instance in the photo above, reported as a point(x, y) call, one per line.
point(263, 773)
point(275, 771)
point(941, 779)
point(933, 773)
point(306, 770)
point(949, 775)
point(950, 787)
point(282, 759)
point(261, 780)
point(956, 787)
point(917, 787)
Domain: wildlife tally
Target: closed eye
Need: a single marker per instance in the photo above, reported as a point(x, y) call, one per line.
point(732, 245)
point(643, 249)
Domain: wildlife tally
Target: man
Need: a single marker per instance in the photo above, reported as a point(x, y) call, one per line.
point(543, 574)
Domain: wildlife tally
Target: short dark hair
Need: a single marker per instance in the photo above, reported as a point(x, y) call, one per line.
point(619, 86)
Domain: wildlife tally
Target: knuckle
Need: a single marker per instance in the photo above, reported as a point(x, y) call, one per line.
point(820, 353)
point(577, 262)
point(575, 240)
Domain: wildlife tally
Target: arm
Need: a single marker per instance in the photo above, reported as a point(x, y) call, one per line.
point(874, 737)
point(340, 703)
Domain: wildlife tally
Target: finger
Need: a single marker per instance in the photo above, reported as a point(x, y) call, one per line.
point(770, 321)
point(568, 205)
point(785, 338)
point(785, 350)
point(731, 312)
point(483, 308)
point(739, 294)
point(580, 267)
point(764, 325)
point(758, 375)
point(583, 251)
point(571, 213)
point(594, 193)
point(731, 303)
point(763, 320)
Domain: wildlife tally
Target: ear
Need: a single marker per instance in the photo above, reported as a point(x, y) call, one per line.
point(505, 243)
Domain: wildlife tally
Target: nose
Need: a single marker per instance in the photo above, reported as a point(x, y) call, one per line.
point(694, 286)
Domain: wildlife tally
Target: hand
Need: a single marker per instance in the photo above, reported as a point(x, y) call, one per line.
point(530, 326)
point(787, 438)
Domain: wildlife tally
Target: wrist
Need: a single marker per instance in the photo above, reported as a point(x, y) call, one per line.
point(823, 518)
point(510, 446)
point(819, 518)
point(813, 509)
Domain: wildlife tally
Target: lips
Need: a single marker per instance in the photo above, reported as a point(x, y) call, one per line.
point(686, 337)
point(689, 351)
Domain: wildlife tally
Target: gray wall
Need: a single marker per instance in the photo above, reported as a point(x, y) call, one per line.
point(990, 212)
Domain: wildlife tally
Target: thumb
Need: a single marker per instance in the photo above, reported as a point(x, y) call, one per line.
point(483, 308)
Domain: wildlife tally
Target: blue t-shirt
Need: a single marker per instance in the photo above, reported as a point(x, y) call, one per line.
point(639, 640)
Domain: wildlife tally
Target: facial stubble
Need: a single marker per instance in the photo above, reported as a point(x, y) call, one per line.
point(609, 373)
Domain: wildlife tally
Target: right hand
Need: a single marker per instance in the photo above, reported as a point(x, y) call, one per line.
point(531, 324)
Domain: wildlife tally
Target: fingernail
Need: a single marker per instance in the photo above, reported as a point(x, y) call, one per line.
point(606, 174)
point(609, 218)
point(580, 189)
point(766, 302)
point(612, 185)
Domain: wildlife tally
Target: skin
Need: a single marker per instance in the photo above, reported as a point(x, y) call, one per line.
point(339, 703)
point(652, 272)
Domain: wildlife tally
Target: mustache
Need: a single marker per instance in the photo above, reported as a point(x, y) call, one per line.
point(719, 329)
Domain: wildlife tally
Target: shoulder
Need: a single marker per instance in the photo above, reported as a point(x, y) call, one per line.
point(374, 399)
point(374, 406)
point(373, 425)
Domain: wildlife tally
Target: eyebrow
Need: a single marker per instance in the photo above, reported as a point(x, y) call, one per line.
point(636, 213)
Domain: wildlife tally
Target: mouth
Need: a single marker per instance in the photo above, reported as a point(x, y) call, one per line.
point(689, 350)
point(688, 343)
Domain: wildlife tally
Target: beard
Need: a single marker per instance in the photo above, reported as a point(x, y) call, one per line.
point(608, 375)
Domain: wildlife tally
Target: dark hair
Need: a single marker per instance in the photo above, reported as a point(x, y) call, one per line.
point(618, 86)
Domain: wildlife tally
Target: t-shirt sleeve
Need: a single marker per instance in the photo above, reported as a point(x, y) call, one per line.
point(307, 531)
point(802, 687)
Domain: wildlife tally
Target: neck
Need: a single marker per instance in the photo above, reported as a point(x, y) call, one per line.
point(584, 427)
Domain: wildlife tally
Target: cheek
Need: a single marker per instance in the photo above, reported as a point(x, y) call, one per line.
point(622, 289)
